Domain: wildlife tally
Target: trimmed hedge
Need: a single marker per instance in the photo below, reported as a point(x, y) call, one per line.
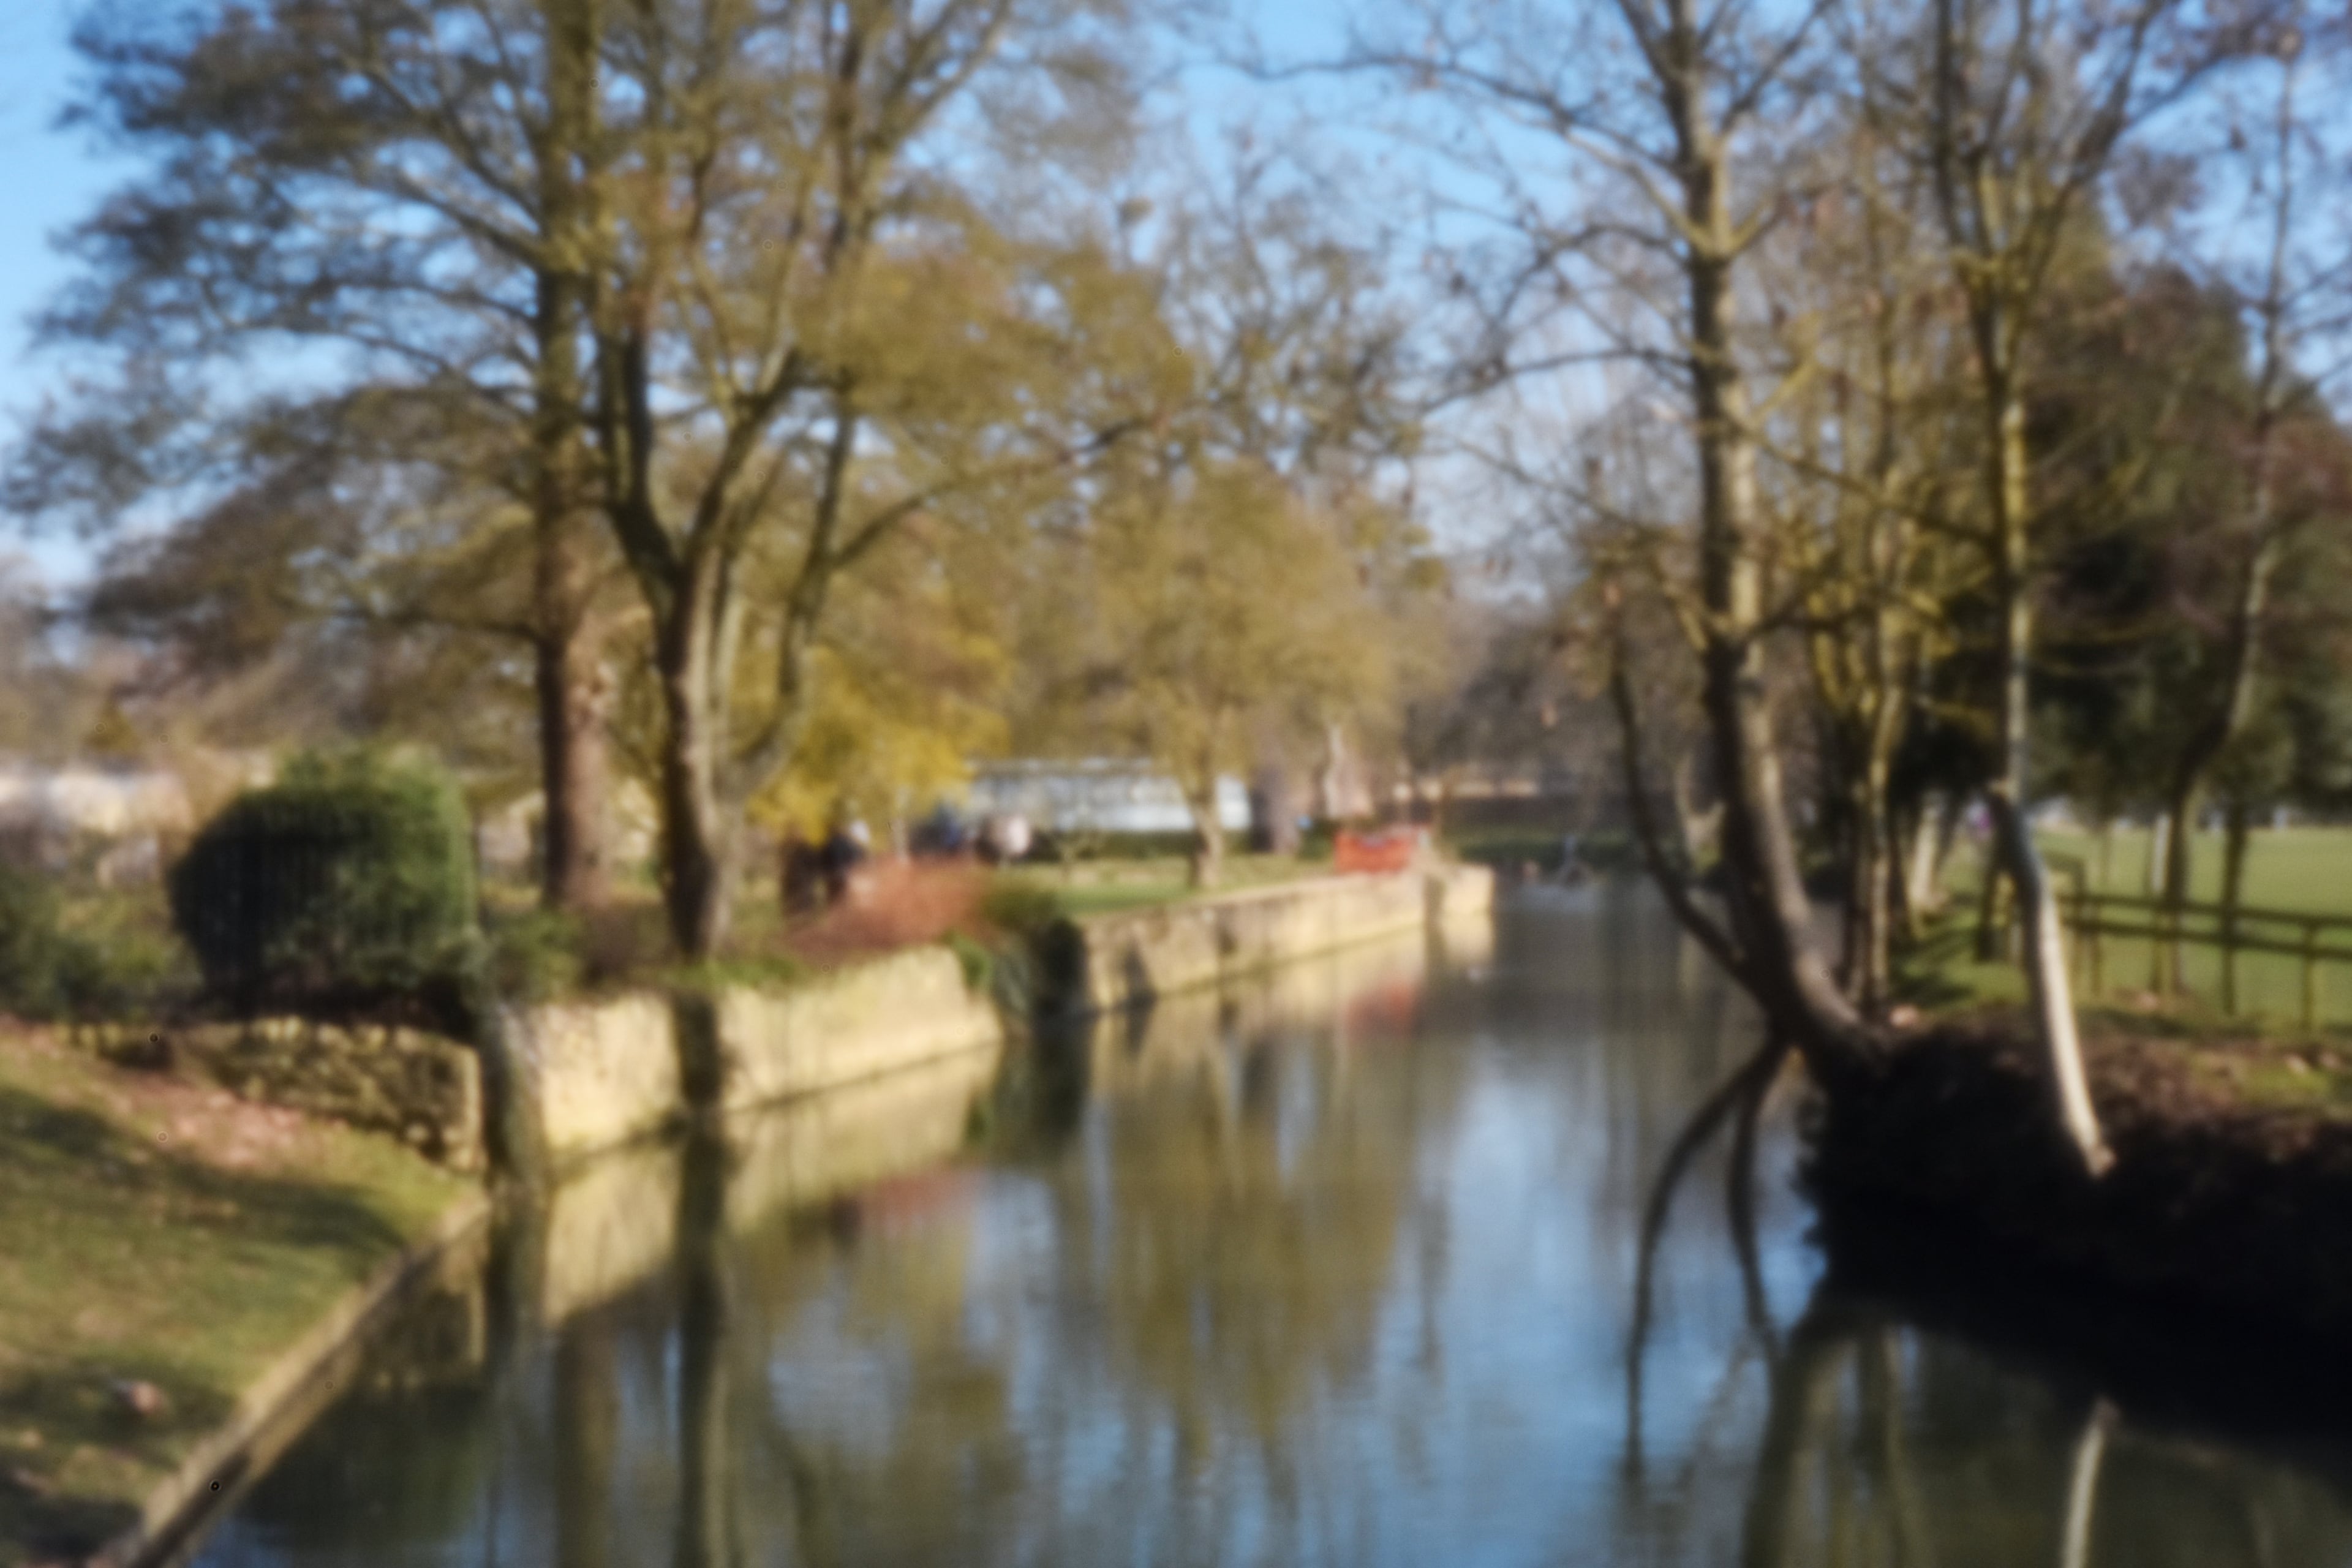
point(347, 886)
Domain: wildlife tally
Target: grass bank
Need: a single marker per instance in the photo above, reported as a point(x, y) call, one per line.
point(160, 1244)
point(2226, 1217)
point(2231, 1202)
point(2263, 1056)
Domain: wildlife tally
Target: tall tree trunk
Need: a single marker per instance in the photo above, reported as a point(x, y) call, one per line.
point(1207, 867)
point(587, 1418)
point(1331, 780)
point(1870, 888)
point(1274, 811)
point(2240, 664)
point(2180, 849)
point(2237, 828)
point(698, 826)
point(1922, 890)
point(573, 695)
point(2045, 944)
point(1772, 916)
point(706, 1536)
point(568, 670)
point(1990, 888)
point(1700, 827)
point(2237, 831)
point(2262, 536)
point(2159, 840)
point(2182, 803)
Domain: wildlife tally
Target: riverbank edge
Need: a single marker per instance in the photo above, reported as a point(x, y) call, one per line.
point(584, 1081)
point(1188, 947)
point(1105, 963)
point(2218, 1209)
point(275, 1406)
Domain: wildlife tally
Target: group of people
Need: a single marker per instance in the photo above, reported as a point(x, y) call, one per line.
point(997, 841)
point(818, 873)
point(822, 873)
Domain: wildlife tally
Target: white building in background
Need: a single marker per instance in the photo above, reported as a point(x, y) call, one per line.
point(48, 814)
point(1095, 795)
point(507, 837)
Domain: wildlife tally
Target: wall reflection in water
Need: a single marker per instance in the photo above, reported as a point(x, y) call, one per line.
point(1336, 1268)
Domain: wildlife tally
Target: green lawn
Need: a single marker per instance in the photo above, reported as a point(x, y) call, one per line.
point(2302, 869)
point(157, 1230)
point(1106, 887)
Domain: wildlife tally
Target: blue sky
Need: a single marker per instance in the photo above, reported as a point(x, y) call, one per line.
point(52, 178)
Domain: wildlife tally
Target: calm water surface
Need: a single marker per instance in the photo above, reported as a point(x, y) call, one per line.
point(1336, 1271)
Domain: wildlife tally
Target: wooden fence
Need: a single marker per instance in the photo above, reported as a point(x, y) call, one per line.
point(2095, 918)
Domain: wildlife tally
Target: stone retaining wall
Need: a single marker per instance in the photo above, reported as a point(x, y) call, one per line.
point(1117, 961)
point(591, 1076)
point(421, 1087)
point(596, 1075)
point(854, 1023)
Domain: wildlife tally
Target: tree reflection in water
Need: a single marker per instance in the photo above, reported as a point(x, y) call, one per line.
point(1338, 1271)
point(1852, 1465)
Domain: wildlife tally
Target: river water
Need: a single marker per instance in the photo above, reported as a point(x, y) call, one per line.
point(1338, 1270)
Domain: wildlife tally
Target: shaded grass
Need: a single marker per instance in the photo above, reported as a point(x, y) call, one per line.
point(154, 1230)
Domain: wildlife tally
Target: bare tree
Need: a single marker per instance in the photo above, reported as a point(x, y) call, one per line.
point(2291, 289)
point(805, 338)
point(2014, 113)
point(1651, 115)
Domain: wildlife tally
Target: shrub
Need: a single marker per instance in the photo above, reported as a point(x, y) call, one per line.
point(348, 885)
point(539, 955)
point(1018, 906)
point(32, 952)
point(120, 958)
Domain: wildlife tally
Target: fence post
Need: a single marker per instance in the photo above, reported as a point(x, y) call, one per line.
point(2311, 974)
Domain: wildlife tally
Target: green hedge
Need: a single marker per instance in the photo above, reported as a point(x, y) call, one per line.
point(348, 885)
point(33, 959)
